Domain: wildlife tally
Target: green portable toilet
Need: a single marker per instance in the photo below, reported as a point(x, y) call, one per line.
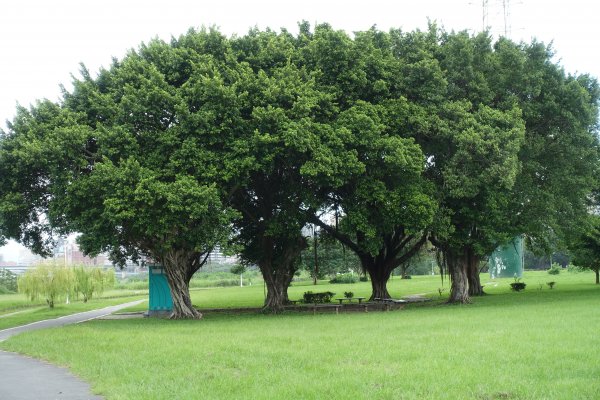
point(160, 302)
point(507, 260)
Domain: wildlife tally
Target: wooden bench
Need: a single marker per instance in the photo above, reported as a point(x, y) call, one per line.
point(336, 306)
point(349, 299)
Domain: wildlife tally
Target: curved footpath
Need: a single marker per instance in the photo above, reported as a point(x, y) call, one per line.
point(24, 378)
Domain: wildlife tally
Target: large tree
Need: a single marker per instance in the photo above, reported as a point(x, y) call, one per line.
point(384, 203)
point(495, 184)
point(387, 207)
point(477, 170)
point(125, 160)
point(470, 151)
point(285, 131)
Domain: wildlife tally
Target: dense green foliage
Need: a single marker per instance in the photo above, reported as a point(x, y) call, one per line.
point(586, 246)
point(8, 280)
point(541, 261)
point(332, 258)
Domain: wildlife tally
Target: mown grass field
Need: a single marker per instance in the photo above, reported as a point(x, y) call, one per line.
point(537, 344)
point(16, 309)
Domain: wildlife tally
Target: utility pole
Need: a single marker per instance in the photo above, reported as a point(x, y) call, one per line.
point(489, 21)
point(506, 15)
point(484, 14)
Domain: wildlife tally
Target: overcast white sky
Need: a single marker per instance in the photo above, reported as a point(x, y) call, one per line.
point(42, 42)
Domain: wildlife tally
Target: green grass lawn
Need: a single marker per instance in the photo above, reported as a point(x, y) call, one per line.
point(13, 302)
point(536, 344)
point(16, 309)
point(253, 296)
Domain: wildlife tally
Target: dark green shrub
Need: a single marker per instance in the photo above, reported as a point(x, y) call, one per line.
point(554, 269)
point(348, 295)
point(318, 298)
point(551, 284)
point(518, 286)
point(344, 278)
point(364, 278)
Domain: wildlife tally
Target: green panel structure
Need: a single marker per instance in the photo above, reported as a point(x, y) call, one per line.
point(507, 260)
point(160, 302)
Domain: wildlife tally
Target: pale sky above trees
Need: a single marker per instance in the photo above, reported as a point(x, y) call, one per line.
point(42, 43)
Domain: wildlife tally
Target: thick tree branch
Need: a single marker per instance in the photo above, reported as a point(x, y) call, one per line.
point(345, 239)
point(410, 253)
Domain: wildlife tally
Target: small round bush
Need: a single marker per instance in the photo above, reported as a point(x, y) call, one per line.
point(344, 278)
point(554, 269)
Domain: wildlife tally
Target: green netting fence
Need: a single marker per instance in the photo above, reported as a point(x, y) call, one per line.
point(507, 260)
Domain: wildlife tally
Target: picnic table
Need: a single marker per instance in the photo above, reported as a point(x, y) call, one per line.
point(349, 299)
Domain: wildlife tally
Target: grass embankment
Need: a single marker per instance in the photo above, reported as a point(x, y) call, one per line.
point(16, 309)
point(537, 344)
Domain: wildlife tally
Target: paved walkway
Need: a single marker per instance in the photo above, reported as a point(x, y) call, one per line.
point(24, 378)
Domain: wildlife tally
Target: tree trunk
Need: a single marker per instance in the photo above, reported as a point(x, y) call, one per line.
point(379, 288)
point(598, 277)
point(459, 290)
point(277, 283)
point(475, 288)
point(278, 267)
point(379, 275)
point(176, 268)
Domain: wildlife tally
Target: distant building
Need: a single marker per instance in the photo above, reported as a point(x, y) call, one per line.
point(218, 257)
point(67, 251)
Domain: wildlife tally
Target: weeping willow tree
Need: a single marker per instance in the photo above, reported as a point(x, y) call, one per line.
point(92, 281)
point(51, 282)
